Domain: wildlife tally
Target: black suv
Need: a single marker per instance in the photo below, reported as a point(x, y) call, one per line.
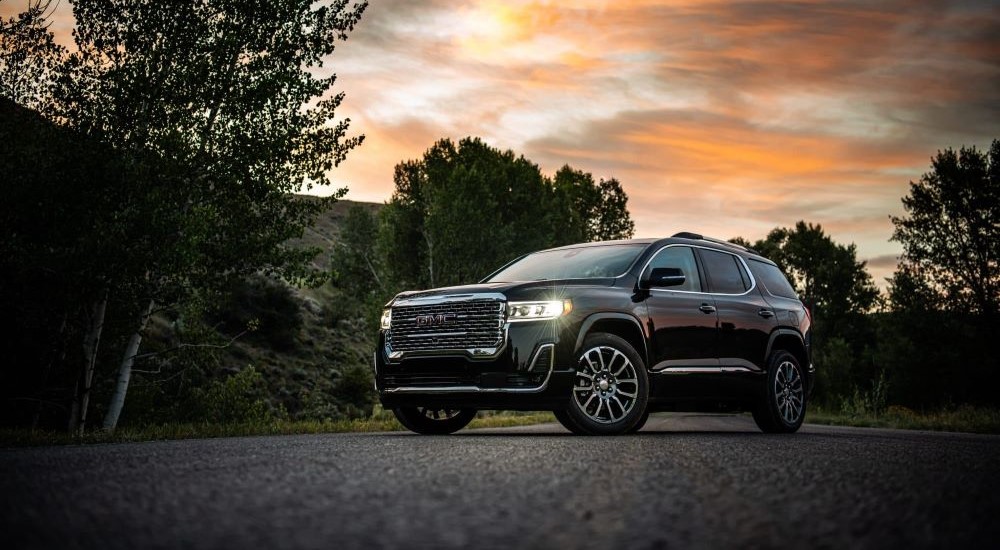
point(602, 334)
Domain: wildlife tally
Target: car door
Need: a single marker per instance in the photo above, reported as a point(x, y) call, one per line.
point(745, 318)
point(682, 319)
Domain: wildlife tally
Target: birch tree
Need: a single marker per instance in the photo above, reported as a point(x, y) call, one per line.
point(216, 113)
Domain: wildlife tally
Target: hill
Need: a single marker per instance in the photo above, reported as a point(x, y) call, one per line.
point(311, 346)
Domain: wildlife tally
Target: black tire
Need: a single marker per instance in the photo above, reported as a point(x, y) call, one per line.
point(564, 418)
point(617, 380)
point(434, 421)
point(783, 404)
point(642, 422)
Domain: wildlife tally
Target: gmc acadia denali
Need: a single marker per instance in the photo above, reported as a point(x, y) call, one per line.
point(602, 334)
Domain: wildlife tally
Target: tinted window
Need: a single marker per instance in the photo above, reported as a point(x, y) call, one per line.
point(723, 272)
point(679, 257)
point(773, 279)
point(571, 263)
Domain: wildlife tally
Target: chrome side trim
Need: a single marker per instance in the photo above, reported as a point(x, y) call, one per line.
point(705, 370)
point(437, 390)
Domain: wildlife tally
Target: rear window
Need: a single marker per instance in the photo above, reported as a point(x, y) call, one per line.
point(773, 279)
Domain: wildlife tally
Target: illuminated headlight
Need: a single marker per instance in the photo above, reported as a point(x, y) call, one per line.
point(386, 319)
point(533, 311)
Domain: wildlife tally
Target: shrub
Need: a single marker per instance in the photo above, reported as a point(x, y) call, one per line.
point(236, 399)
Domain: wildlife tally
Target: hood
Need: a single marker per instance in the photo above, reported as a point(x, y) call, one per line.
point(524, 290)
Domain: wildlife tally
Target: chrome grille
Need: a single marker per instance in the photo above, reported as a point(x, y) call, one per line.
point(467, 325)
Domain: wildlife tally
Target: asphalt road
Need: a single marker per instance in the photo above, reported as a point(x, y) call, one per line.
point(686, 481)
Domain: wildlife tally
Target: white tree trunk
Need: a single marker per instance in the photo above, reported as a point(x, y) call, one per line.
point(91, 345)
point(125, 370)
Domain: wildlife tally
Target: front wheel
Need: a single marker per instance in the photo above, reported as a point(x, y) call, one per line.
point(611, 388)
point(783, 405)
point(434, 421)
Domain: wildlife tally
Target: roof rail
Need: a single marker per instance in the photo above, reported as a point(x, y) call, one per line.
point(699, 237)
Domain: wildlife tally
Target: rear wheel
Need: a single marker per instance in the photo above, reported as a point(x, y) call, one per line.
point(611, 388)
point(783, 406)
point(434, 421)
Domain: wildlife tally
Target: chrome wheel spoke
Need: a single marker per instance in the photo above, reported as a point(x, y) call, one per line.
point(624, 410)
point(625, 362)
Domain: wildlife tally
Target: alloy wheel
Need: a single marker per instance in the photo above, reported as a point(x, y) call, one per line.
point(606, 385)
point(789, 392)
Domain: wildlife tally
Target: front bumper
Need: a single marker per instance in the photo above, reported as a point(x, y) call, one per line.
point(529, 372)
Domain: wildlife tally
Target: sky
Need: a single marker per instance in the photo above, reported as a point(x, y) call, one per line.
point(726, 118)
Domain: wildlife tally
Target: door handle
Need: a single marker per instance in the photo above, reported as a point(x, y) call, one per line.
point(705, 308)
point(765, 313)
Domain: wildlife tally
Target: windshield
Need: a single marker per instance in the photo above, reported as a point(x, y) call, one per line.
point(584, 262)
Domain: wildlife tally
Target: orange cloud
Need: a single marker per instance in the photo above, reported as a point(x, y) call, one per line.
point(727, 117)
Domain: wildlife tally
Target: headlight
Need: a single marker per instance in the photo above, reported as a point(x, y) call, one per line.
point(386, 318)
point(534, 311)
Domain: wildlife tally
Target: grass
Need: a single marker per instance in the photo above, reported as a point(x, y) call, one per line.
point(960, 419)
point(381, 421)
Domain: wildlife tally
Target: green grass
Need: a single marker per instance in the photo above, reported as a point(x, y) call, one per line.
point(380, 422)
point(960, 419)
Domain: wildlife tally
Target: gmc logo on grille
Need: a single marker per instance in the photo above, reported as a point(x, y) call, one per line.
point(435, 320)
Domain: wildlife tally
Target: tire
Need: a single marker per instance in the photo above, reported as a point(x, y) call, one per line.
point(430, 421)
point(642, 422)
point(611, 389)
point(783, 405)
point(568, 423)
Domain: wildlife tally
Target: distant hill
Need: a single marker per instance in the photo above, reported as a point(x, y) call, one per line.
point(326, 231)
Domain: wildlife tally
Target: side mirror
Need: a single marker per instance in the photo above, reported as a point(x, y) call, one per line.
point(664, 277)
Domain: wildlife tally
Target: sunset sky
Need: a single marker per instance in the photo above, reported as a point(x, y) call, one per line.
point(725, 118)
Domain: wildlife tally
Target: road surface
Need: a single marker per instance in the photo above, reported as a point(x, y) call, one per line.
point(686, 481)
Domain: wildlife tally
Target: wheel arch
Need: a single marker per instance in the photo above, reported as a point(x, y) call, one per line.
point(790, 341)
point(622, 325)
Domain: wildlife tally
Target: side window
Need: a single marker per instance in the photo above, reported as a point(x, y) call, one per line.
point(725, 274)
point(680, 257)
point(773, 279)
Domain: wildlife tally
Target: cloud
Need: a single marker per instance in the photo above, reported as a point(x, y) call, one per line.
point(725, 117)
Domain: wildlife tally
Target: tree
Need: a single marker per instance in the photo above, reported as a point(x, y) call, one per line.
point(29, 55)
point(355, 265)
point(826, 274)
point(951, 235)
point(938, 339)
point(463, 210)
point(216, 113)
point(584, 211)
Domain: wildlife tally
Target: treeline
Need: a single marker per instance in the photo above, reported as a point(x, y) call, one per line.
point(928, 342)
point(463, 210)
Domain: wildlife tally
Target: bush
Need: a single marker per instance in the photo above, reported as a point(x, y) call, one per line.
point(236, 399)
point(354, 390)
